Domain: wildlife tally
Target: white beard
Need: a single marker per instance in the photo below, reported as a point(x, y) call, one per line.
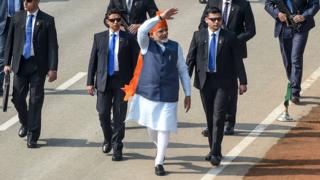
point(164, 41)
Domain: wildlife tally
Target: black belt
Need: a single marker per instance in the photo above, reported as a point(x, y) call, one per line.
point(115, 73)
point(23, 58)
point(211, 73)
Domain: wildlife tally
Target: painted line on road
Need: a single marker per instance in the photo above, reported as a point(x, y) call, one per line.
point(9, 123)
point(71, 81)
point(234, 153)
point(62, 87)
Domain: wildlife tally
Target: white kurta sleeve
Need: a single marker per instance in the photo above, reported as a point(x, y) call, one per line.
point(183, 73)
point(142, 35)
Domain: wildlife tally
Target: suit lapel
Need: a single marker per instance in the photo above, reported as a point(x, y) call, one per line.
point(22, 26)
point(37, 24)
point(24, 21)
point(218, 4)
point(104, 47)
point(122, 41)
point(204, 38)
point(234, 8)
point(220, 42)
point(124, 4)
point(105, 43)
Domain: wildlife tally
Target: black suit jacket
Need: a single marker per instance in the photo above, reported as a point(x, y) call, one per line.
point(127, 57)
point(45, 42)
point(138, 12)
point(240, 21)
point(229, 61)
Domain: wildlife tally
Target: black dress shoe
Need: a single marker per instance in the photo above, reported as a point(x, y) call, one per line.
point(32, 144)
point(208, 157)
point(295, 100)
point(106, 147)
point(205, 132)
point(215, 160)
point(159, 170)
point(22, 131)
point(229, 131)
point(117, 156)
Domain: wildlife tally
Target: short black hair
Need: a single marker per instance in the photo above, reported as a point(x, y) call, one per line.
point(213, 10)
point(108, 13)
point(112, 11)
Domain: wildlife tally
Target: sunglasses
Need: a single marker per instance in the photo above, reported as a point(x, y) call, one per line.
point(114, 20)
point(214, 19)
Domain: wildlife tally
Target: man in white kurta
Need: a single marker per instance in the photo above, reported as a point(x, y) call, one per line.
point(158, 110)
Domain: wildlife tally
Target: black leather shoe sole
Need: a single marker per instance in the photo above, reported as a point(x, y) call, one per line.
point(215, 160)
point(229, 132)
point(208, 157)
point(117, 156)
point(205, 132)
point(32, 145)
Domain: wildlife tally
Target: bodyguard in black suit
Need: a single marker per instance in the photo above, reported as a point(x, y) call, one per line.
point(112, 62)
point(32, 50)
point(7, 10)
point(293, 41)
point(135, 11)
point(215, 56)
point(237, 17)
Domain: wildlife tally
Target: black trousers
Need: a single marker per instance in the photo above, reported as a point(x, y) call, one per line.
point(28, 80)
point(214, 97)
point(232, 104)
point(113, 129)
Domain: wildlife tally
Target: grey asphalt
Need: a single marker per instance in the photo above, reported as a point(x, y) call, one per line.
point(71, 136)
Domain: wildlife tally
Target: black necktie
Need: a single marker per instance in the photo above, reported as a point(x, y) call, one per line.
point(225, 14)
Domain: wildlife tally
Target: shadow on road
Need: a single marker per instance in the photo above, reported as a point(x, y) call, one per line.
point(188, 168)
point(65, 142)
point(150, 145)
point(44, 1)
point(65, 92)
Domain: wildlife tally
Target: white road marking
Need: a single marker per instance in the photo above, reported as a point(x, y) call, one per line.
point(71, 81)
point(234, 153)
point(9, 123)
point(62, 87)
